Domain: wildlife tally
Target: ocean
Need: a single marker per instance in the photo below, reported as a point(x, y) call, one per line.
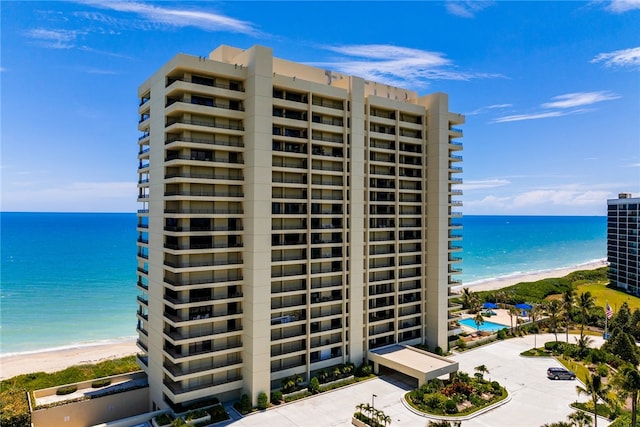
point(68, 279)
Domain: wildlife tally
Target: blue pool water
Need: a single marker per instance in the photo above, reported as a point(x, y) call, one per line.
point(486, 326)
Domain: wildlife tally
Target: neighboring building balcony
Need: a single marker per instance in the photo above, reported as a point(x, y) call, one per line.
point(230, 175)
point(228, 160)
point(181, 371)
point(320, 298)
point(289, 302)
point(381, 328)
point(318, 103)
point(185, 318)
point(290, 332)
point(409, 298)
point(453, 258)
point(320, 327)
point(203, 264)
point(201, 83)
point(454, 248)
point(288, 349)
point(327, 120)
point(211, 278)
point(455, 158)
point(175, 124)
point(290, 361)
point(233, 381)
point(409, 286)
point(284, 286)
point(329, 340)
point(381, 290)
point(381, 145)
point(327, 282)
point(178, 140)
point(186, 301)
point(219, 330)
point(455, 132)
point(204, 105)
point(326, 313)
point(455, 145)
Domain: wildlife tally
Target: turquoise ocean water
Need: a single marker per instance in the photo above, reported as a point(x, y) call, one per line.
point(69, 279)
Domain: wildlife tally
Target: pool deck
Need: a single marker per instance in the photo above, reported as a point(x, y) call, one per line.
point(501, 316)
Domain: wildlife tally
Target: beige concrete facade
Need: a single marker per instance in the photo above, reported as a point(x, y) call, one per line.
point(292, 218)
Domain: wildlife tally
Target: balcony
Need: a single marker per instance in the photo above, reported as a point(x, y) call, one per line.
point(231, 126)
point(176, 388)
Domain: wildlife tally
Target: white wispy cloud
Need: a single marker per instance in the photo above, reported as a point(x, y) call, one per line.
point(560, 197)
point(468, 8)
point(205, 20)
point(54, 38)
point(483, 184)
point(621, 6)
point(396, 65)
point(487, 109)
point(620, 58)
point(536, 116)
point(578, 99)
point(563, 105)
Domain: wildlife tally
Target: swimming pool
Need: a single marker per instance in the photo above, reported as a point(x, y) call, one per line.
point(486, 326)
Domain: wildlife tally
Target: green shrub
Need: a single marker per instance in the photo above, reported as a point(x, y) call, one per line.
point(438, 350)
point(245, 404)
point(314, 385)
point(218, 413)
point(364, 370)
point(194, 415)
point(451, 407)
point(101, 383)
point(502, 334)
point(276, 397)
point(263, 400)
point(602, 370)
point(163, 419)
point(435, 401)
point(66, 390)
point(553, 345)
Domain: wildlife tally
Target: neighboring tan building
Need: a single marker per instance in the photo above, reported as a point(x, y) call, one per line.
point(623, 225)
point(292, 219)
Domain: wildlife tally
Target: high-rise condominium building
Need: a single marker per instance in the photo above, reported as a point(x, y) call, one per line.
point(623, 225)
point(292, 218)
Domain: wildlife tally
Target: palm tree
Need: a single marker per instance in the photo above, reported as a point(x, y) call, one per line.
point(585, 304)
point(568, 300)
point(386, 419)
point(513, 312)
point(481, 369)
point(594, 388)
point(580, 419)
point(554, 308)
point(627, 383)
point(584, 342)
point(478, 320)
point(534, 314)
point(467, 296)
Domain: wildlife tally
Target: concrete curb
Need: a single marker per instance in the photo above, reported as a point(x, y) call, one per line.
point(454, 418)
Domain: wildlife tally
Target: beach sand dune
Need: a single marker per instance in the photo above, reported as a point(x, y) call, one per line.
point(506, 281)
point(56, 360)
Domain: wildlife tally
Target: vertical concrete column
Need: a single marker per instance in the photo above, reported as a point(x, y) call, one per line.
point(356, 226)
point(437, 218)
point(155, 323)
point(256, 338)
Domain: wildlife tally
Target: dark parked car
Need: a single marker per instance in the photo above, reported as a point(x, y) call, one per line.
point(560, 374)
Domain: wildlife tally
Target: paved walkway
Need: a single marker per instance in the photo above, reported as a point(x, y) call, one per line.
point(535, 399)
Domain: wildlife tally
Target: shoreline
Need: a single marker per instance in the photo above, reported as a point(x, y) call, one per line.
point(59, 358)
point(496, 283)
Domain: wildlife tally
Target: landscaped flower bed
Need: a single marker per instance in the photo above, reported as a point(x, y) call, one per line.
point(461, 396)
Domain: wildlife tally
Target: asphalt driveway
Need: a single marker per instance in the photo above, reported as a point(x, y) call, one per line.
point(535, 400)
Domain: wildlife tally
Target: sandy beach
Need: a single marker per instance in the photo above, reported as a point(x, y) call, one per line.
point(57, 360)
point(504, 281)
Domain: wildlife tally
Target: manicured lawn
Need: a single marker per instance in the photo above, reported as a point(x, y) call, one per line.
point(602, 294)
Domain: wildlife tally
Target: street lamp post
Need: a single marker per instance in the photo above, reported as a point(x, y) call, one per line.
point(373, 400)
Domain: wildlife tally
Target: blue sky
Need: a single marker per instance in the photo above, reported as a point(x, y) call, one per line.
point(551, 90)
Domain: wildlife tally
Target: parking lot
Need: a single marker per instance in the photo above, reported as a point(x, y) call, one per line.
point(535, 400)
